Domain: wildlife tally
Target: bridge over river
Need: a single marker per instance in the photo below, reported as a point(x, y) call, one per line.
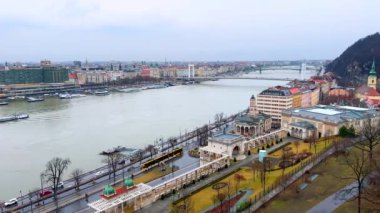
point(302, 68)
point(195, 78)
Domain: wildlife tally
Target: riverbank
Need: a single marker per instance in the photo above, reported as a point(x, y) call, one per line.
point(81, 128)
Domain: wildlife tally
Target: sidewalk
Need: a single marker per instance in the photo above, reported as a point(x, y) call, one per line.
point(335, 200)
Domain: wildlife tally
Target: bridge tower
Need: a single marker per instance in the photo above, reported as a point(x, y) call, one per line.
point(191, 71)
point(302, 69)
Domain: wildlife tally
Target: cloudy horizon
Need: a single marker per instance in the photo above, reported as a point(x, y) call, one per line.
point(182, 30)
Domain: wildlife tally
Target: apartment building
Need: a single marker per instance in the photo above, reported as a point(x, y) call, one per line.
point(273, 101)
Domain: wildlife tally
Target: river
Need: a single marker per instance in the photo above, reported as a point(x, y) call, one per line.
point(80, 128)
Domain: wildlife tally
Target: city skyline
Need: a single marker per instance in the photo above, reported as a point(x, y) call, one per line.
point(181, 30)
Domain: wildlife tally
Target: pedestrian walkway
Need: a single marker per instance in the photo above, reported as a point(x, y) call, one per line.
point(335, 200)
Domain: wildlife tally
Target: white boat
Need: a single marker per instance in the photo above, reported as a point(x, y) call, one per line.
point(102, 92)
point(3, 103)
point(78, 95)
point(64, 96)
point(22, 116)
point(8, 118)
point(19, 97)
point(34, 99)
point(157, 86)
point(129, 90)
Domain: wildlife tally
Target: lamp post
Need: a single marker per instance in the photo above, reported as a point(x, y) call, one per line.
point(22, 200)
point(30, 201)
point(42, 175)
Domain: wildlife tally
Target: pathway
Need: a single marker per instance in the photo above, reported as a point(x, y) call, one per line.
point(335, 200)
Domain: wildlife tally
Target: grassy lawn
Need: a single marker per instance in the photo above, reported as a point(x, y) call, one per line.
point(326, 184)
point(206, 197)
point(152, 175)
point(351, 206)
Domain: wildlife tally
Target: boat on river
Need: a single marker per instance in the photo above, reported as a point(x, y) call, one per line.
point(70, 96)
point(22, 116)
point(8, 118)
point(129, 90)
point(14, 117)
point(4, 103)
point(34, 99)
point(78, 95)
point(64, 96)
point(156, 86)
point(102, 92)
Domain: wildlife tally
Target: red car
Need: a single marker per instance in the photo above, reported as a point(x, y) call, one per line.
point(45, 192)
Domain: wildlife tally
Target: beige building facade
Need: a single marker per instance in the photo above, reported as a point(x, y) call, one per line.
point(322, 121)
point(273, 101)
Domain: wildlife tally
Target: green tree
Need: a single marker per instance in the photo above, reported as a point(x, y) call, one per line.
point(343, 132)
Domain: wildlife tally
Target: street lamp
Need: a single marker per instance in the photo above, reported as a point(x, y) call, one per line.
point(22, 200)
point(42, 175)
point(30, 201)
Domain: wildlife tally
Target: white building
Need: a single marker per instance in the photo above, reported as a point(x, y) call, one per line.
point(222, 144)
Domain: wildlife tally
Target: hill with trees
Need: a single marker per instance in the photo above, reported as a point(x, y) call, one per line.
point(353, 65)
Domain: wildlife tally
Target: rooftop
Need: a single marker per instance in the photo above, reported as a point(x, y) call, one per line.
point(226, 138)
point(104, 204)
point(252, 120)
point(332, 114)
point(303, 124)
point(324, 111)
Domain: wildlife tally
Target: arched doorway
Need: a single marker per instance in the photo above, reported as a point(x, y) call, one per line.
point(236, 150)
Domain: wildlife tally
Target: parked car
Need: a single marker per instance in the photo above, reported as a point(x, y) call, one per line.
point(99, 173)
point(45, 192)
point(11, 202)
point(59, 186)
point(121, 162)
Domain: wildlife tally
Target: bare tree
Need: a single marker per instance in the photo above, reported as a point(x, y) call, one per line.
point(140, 155)
point(219, 119)
point(285, 158)
point(219, 195)
point(297, 144)
point(30, 196)
point(371, 133)
point(229, 192)
point(255, 166)
point(312, 140)
point(202, 135)
point(238, 178)
point(152, 150)
point(54, 171)
point(359, 164)
point(172, 142)
point(112, 160)
point(328, 137)
point(185, 206)
point(76, 175)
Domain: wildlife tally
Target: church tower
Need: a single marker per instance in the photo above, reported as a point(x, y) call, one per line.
point(253, 107)
point(372, 77)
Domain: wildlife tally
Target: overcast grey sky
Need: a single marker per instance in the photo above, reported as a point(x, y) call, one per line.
point(59, 30)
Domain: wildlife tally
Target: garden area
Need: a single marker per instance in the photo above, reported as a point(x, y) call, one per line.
point(251, 179)
point(296, 199)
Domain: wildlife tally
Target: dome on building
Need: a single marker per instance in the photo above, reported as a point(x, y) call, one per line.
point(108, 190)
point(253, 97)
point(128, 182)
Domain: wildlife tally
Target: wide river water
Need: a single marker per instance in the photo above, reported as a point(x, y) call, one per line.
point(80, 128)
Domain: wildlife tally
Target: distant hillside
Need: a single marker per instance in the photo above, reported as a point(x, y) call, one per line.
point(353, 65)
